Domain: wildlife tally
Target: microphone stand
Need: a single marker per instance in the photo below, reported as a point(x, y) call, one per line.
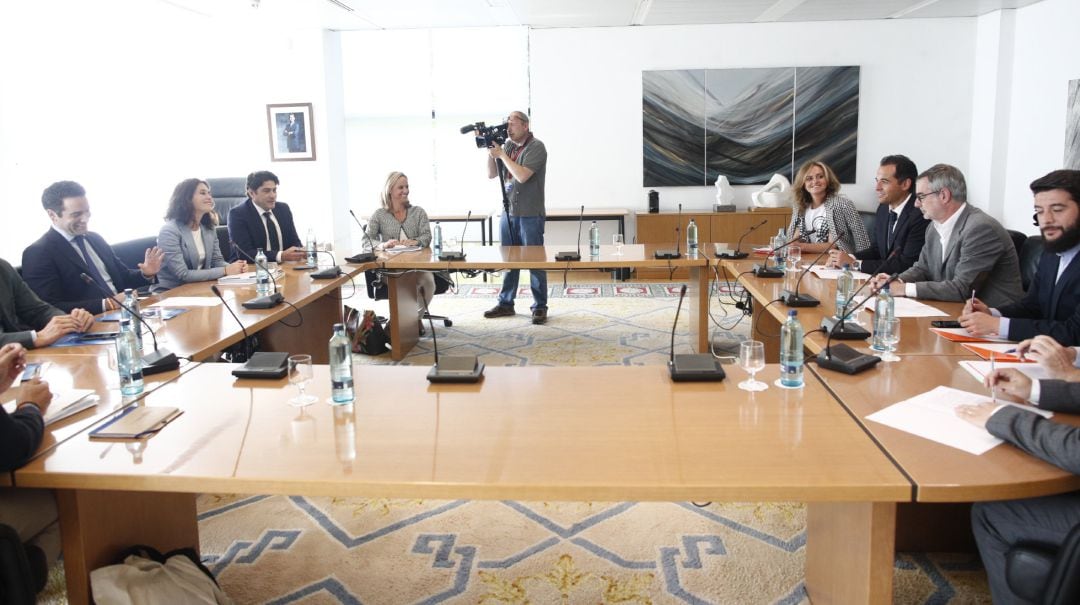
point(843, 358)
point(737, 255)
point(362, 257)
point(839, 328)
point(247, 339)
point(764, 270)
point(268, 301)
point(573, 256)
point(161, 360)
point(793, 298)
point(449, 255)
point(672, 254)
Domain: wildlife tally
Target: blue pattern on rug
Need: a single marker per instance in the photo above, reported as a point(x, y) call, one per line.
point(274, 539)
point(611, 557)
point(461, 578)
point(510, 561)
point(230, 507)
point(792, 545)
point(567, 532)
point(341, 536)
point(330, 585)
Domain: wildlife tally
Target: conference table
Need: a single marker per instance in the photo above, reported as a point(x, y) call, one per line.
point(530, 433)
point(402, 271)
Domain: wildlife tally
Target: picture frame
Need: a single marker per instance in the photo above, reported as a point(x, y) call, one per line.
point(291, 130)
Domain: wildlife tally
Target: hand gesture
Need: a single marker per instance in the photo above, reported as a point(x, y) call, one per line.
point(152, 260)
point(12, 363)
point(1011, 384)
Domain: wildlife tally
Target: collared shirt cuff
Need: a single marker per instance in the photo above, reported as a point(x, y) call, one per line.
point(277, 258)
point(1036, 391)
point(911, 291)
point(1003, 326)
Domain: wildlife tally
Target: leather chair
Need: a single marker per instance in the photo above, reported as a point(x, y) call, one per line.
point(23, 569)
point(1042, 574)
point(1018, 239)
point(376, 289)
point(868, 219)
point(132, 252)
point(1030, 253)
point(227, 192)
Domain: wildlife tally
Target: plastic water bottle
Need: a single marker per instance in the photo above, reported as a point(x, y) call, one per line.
point(691, 237)
point(309, 245)
point(844, 286)
point(128, 359)
point(594, 240)
point(130, 300)
point(436, 239)
point(791, 351)
point(341, 383)
point(884, 310)
point(262, 274)
point(780, 256)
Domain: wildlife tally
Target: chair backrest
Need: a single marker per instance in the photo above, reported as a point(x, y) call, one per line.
point(868, 219)
point(1037, 573)
point(224, 242)
point(132, 252)
point(227, 192)
point(1030, 253)
point(376, 285)
point(16, 577)
point(1018, 239)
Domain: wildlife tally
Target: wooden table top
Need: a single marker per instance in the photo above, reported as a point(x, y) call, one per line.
point(942, 473)
point(543, 257)
point(564, 433)
point(202, 331)
point(915, 335)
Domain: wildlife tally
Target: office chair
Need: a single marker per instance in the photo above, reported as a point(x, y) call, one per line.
point(23, 569)
point(1042, 574)
point(376, 289)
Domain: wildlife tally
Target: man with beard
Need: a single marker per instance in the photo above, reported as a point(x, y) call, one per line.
point(1052, 304)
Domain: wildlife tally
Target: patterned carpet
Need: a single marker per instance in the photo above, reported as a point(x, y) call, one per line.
point(297, 549)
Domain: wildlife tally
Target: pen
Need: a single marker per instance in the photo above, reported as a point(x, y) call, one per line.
point(972, 299)
point(993, 393)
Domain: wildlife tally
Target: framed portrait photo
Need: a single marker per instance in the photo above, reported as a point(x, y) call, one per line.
point(292, 136)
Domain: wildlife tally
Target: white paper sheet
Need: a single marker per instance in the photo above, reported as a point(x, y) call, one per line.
point(980, 369)
point(64, 404)
point(932, 416)
point(907, 307)
point(825, 273)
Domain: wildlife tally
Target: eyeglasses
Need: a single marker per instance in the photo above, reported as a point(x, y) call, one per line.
point(922, 196)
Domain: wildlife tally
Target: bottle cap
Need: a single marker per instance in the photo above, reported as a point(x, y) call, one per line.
point(792, 313)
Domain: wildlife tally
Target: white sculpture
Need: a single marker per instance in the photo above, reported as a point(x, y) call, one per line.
point(775, 194)
point(725, 193)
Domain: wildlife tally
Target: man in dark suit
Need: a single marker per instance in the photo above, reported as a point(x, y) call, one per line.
point(966, 249)
point(899, 227)
point(52, 265)
point(27, 320)
point(1052, 303)
point(263, 222)
point(1046, 520)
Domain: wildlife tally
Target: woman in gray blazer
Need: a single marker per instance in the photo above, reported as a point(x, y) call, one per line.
point(189, 240)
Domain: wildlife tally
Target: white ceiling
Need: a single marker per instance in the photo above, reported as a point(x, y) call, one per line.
point(422, 14)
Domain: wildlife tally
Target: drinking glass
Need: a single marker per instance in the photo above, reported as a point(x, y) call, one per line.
point(617, 239)
point(891, 338)
point(752, 359)
point(152, 317)
point(300, 375)
point(794, 257)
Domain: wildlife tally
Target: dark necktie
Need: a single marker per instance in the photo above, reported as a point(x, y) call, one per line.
point(892, 223)
point(271, 232)
point(80, 241)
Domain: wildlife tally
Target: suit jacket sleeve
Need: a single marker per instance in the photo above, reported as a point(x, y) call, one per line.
point(123, 277)
point(174, 269)
point(909, 243)
point(919, 271)
point(20, 435)
point(240, 231)
point(25, 310)
point(979, 249)
point(41, 272)
point(1053, 442)
point(1026, 318)
point(848, 225)
point(289, 235)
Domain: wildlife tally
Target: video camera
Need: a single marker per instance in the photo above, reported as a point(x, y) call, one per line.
point(486, 136)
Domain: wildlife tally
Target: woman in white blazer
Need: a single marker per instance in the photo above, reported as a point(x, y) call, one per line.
point(189, 239)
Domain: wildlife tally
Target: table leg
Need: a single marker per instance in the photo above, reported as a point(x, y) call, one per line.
point(97, 525)
point(850, 551)
point(312, 334)
point(404, 329)
point(697, 292)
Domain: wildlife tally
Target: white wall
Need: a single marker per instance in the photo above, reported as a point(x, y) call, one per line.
point(1046, 59)
point(130, 97)
point(915, 96)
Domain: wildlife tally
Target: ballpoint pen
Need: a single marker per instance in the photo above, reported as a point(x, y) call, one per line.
point(993, 393)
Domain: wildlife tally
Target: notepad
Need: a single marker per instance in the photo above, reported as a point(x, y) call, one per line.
point(64, 404)
point(1000, 351)
point(136, 422)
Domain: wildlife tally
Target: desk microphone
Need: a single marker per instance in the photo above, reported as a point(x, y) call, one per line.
point(328, 273)
point(793, 298)
point(843, 358)
point(737, 254)
point(839, 328)
point(247, 339)
point(570, 256)
point(691, 367)
point(161, 360)
point(458, 256)
point(362, 257)
point(261, 302)
point(450, 368)
point(672, 254)
point(763, 270)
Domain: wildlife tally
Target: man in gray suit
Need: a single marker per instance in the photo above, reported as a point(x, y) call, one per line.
point(27, 320)
point(1047, 520)
point(966, 250)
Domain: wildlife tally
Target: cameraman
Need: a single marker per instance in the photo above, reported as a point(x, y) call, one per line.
point(523, 166)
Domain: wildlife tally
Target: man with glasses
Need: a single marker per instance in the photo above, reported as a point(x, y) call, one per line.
point(966, 251)
point(1052, 303)
point(899, 227)
point(522, 163)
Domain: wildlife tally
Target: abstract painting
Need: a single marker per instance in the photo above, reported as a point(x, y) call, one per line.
point(1072, 127)
point(747, 124)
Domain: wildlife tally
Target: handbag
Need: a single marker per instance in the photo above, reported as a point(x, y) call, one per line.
point(366, 332)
